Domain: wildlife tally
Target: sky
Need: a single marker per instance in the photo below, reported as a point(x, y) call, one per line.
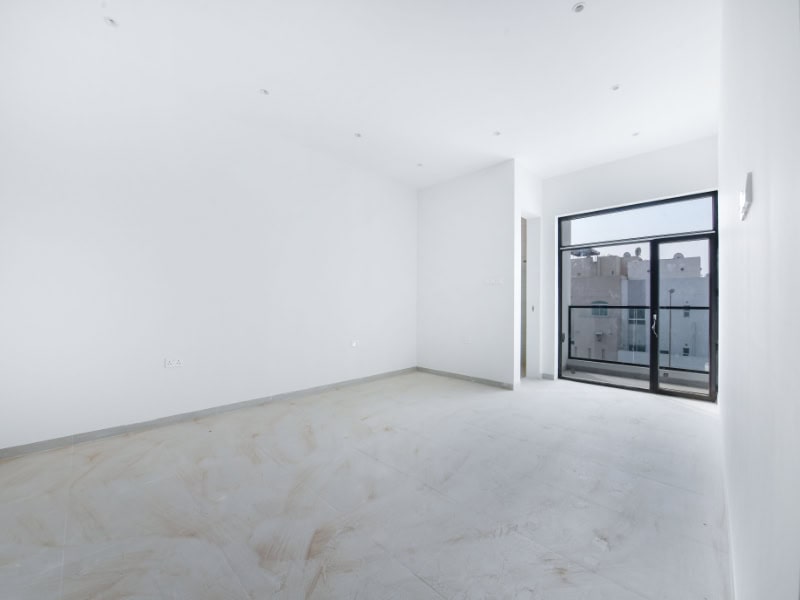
point(659, 219)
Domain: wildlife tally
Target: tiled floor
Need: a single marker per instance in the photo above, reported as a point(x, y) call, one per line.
point(416, 486)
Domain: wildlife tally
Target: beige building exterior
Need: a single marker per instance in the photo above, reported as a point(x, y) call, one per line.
point(614, 318)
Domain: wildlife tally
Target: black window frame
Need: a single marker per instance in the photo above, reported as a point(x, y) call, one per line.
point(712, 236)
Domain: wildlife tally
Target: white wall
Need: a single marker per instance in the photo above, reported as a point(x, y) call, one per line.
point(664, 173)
point(467, 307)
point(759, 323)
point(255, 261)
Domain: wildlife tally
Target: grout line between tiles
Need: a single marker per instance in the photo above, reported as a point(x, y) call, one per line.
point(394, 557)
point(234, 572)
point(581, 564)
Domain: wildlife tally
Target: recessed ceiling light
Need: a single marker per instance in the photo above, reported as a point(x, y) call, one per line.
point(358, 135)
point(264, 91)
point(110, 22)
point(578, 7)
point(635, 134)
point(419, 164)
point(495, 133)
point(615, 87)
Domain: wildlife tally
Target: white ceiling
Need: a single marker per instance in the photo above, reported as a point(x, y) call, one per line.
point(422, 81)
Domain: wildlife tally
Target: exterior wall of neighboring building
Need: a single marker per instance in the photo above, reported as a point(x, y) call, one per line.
point(603, 332)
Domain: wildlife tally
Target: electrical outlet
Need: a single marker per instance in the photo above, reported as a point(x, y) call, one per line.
point(172, 363)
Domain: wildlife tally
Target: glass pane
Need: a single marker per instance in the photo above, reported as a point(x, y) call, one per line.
point(684, 216)
point(606, 316)
point(684, 316)
point(620, 335)
point(684, 343)
point(618, 375)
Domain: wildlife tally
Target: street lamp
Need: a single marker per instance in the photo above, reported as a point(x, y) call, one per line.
point(669, 363)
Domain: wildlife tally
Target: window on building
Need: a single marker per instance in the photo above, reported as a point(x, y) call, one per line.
point(599, 308)
point(637, 347)
point(686, 350)
point(636, 316)
point(686, 311)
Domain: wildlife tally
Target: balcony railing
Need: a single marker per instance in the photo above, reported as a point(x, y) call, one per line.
point(602, 333)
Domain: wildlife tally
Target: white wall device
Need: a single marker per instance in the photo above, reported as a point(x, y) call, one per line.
point(746, 197)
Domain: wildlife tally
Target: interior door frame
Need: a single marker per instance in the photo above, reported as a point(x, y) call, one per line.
point(711, 235)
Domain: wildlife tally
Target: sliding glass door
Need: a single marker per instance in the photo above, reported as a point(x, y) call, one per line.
point(608, 313)
point(640, 312)
point(684, 315)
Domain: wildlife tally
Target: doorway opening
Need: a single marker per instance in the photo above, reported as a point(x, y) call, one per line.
point(638, 296)
point(523, 351)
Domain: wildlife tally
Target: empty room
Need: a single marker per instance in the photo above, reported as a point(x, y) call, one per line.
point(399, 300)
